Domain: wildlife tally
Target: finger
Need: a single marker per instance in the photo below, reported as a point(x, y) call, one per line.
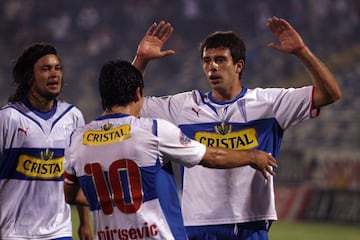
point(167, 52)
point(277, 25)
point(151, 29)
point(264, 173)
point(272, 24)
point(273, 161)
point(270, 170)
point(273, 164)
point(284, 24)
point(164, 31)
point(158, 28)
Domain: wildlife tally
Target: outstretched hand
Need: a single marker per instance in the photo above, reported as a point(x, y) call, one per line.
point(154, 39)
point(150, 45)
point(290, 40)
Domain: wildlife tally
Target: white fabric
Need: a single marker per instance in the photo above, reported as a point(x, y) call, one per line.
point(113, 140)
point(256, 119)
point(32, 204)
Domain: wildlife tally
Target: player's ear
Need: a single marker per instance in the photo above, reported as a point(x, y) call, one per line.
point(138, 94)
point(239, 66)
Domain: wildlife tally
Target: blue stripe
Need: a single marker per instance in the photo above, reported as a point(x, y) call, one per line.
point(25, 115)
point(9, 161)
point(270, 137)
point(66, 111)
point(169, 201)
point(155, 127)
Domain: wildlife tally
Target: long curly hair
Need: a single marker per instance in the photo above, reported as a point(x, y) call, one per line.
point(23, 71)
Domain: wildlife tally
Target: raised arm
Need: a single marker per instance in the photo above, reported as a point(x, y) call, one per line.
point(216, 157)
point(326, 87)
point(150, 45)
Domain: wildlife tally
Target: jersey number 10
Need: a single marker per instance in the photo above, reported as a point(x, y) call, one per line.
point(132, 173)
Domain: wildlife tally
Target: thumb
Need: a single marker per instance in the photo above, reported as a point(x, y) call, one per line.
point(274, 45)
point(167, 53)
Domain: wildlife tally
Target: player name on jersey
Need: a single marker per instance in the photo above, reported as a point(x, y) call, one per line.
point(145, 232)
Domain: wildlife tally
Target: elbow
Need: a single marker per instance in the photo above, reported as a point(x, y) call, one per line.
point(70, 194)
point(78, 199)
point(335, 96)
point(207, 164)
point(69, 199)
point(338, 95)
point(322, 99)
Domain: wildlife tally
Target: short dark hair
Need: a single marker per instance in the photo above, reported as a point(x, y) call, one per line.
point(227, 39)
point(23, 70)
point(118, 82)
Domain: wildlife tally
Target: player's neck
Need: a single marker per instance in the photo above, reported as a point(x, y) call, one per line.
point(226, 95)
point(40, 103)
point(128, 109)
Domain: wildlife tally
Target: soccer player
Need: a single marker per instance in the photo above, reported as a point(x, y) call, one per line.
point(34, 129)
point(237, 203)
point(115, 160)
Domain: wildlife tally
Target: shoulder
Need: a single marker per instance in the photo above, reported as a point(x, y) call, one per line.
point(194, 96)
point(176, 97)
point(278, 90)
point(13, 110)
point(280, 95)
point(165, 127)
point(261, 93)
point(69, 108)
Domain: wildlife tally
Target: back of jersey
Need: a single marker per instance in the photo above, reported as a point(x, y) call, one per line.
point(116, 160)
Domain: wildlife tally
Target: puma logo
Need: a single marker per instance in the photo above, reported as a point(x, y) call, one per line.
point(197, 112)
point(23, 131)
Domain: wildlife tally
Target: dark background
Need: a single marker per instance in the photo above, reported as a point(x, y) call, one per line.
point(320, 160)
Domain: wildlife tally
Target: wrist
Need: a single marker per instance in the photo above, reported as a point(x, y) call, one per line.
point(140, 63)
point(300, 50)
point(252, 157)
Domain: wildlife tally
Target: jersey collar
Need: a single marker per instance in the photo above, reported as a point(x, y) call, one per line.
point(114, 115)
point(240, 95)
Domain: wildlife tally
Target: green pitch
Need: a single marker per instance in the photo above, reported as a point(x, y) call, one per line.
point(291, 230)
point(313, 231)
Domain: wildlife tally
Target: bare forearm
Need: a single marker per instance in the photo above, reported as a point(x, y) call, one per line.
point(84, 230)
point(140, 63)
point(228, 158)
point(327, 89)
point(225, 158)
point(216, 157)
point(83, 213)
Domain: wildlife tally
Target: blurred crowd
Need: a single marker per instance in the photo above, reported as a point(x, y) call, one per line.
point(87, 33)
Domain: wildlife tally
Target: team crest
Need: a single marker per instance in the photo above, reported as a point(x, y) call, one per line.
point(46, 155)
point(107, 127)
point(184, 140)
point(223, 128)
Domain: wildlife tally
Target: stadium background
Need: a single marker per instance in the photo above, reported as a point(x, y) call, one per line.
point(318, 178)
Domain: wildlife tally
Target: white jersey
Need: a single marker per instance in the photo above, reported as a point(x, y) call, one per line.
point(32, 204)
point(255, 119)
point(116, 159)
